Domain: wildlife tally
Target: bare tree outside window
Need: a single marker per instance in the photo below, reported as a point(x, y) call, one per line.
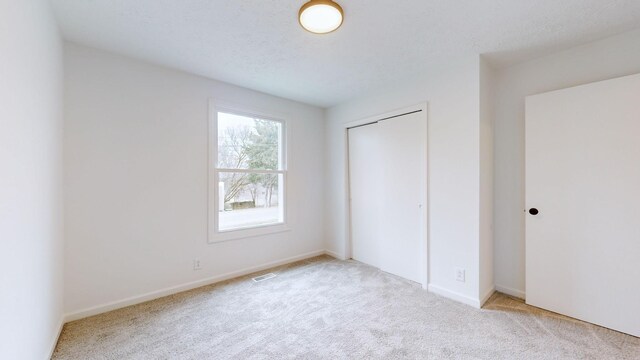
point(250, 171)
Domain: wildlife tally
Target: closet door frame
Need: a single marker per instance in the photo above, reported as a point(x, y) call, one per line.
point(388, 116)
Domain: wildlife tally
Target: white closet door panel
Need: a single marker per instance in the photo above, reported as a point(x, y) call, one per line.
point(583, 175)
point(365, 178)
point(403, 155)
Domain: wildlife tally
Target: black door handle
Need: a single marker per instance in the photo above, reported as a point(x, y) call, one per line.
point(533, 211)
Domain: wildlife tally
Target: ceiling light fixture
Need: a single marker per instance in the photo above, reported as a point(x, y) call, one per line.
point(320, 16)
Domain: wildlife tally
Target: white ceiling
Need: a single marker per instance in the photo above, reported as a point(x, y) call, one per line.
point(259, 44)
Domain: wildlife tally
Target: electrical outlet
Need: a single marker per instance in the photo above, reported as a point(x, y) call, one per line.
point(460, 274)
point(196, 264)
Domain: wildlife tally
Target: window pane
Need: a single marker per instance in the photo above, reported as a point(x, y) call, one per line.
point(249, 200)
point(248, 143)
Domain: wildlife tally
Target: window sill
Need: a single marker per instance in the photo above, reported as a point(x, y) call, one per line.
point(229, 235)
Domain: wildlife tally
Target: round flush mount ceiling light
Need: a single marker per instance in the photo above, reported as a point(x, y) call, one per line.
point(320, 16)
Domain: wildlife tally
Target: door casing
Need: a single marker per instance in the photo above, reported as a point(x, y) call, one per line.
point(422, 108)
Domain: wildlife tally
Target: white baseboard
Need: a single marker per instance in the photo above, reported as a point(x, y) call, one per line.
point(510, 291)
point(56, 337)
point(454, 296)
point(334, 254)
point(487, 295)
point(95, 310)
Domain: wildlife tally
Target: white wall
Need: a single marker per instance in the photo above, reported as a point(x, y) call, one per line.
point(31, 244)
point(136, 178)
point(487, 113)
point(453, 163)
point(600, 60)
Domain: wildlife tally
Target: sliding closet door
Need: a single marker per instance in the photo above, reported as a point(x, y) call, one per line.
point(583, 202)
point(403, 156)
point(365, 176)
point(388, 184)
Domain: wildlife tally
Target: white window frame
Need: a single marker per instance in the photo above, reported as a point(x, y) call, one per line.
point(215, 235)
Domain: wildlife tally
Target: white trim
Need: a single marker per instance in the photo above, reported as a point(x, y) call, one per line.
point(61, 322)
point(95, 310)
point(250, 110)
point(487, 295)
point(251, 171)
point(214, 234)
point(511, 292)
point(334, 254)
point(348, 254)
point(467, 300)
point(425, 200)
point(424, 244)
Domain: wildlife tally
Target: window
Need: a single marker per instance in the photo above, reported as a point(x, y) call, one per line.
point(248, 175)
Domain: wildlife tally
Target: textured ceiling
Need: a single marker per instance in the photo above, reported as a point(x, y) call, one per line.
point(259, 44)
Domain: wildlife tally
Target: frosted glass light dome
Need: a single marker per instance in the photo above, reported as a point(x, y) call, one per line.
point(320, 16)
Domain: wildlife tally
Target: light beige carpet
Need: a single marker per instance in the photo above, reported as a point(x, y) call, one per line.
point(329, 309)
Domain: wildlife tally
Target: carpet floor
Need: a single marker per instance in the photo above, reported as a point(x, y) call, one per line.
point(324, 308)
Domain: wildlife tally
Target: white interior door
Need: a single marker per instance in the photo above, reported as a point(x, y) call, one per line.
point(583, 176)
point(388, 186)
